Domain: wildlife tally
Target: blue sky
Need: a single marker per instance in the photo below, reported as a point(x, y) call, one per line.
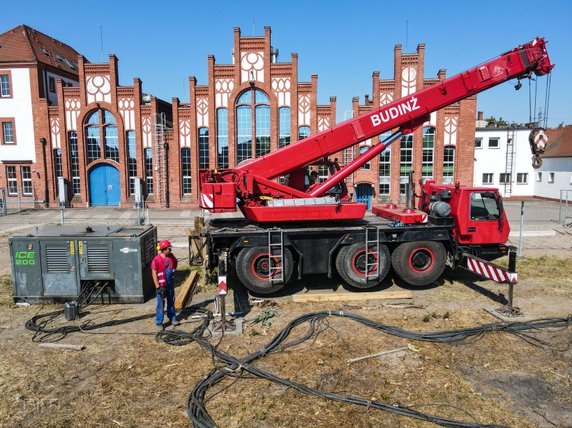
point(343, 42)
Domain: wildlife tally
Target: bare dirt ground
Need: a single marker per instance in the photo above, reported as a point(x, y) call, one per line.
point(124, 378)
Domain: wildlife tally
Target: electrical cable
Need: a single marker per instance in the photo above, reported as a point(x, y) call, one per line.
point(196, 401)
point(38, 324)
point(227, 366)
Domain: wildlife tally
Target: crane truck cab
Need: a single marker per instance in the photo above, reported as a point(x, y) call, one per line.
point(479, 219)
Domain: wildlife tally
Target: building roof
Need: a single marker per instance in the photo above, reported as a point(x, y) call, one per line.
point(559, 143)
point(23, 44)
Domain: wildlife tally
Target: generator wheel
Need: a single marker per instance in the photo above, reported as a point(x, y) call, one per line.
point(419, 263)
point(253, 267)
point(351, 265)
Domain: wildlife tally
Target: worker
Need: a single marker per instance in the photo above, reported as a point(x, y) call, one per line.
point(310, 180)
point(313, 178)
point(163, 271)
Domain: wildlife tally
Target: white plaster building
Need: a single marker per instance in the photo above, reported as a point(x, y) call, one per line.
point(555, 174)
point(503, 160)
point(31, 64)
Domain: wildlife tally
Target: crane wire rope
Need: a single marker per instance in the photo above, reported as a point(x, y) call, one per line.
point(547, 99)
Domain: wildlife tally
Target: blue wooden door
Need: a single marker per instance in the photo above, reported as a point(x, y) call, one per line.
point(104, 185)
point(364, 193)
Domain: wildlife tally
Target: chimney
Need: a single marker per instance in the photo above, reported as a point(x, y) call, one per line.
point(479, 115)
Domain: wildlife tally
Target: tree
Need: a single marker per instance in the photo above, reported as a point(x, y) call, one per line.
point(494, 122)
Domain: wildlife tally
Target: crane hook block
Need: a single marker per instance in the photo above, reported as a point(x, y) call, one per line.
point(538, 140)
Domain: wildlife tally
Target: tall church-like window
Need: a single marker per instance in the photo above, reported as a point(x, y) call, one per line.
point(448, 164)
point(132, 160)
point(74, 161)
point(252, 125)
point(384, 168)
point(186, 170)
point(149, 171)
point(428, 147)
point(203, 148)
point(406, 161)
point(222, 137)
point(284, 137)
point(101, 136)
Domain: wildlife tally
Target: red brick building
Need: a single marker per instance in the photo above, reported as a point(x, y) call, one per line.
point(104, 139)
point(442, 149)
point(110, 137)
point(248, 108)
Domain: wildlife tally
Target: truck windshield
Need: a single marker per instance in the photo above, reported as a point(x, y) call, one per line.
point(484, 206)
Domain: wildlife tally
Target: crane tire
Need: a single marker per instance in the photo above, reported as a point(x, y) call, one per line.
point(419, 263)
point(351, 265)
point(253, 269)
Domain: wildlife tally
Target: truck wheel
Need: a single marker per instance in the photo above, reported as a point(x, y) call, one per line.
point(253, 267)
point(419, 263)
point(351, 265)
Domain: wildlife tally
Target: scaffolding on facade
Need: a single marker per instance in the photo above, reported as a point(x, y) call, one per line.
point(160, 149)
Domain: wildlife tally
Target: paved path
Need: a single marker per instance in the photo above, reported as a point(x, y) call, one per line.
point(541, 232)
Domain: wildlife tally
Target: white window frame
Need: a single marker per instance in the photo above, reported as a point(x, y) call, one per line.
point(12, 182)
point(505, 175)
point(26, 180)
point(448, 179)
point(480, 141)
point(487, 175)
point(520, 175)
point(5, 123)
point(497, 139)
point(539, 176)
point(8, 86)
point(551, 177)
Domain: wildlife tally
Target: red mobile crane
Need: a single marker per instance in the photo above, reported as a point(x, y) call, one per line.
point(318, 227)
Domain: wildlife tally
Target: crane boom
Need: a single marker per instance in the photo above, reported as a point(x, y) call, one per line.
point(252, 181)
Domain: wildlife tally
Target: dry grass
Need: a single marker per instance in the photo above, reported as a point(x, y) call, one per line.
point(546, 268)
point(129, 380)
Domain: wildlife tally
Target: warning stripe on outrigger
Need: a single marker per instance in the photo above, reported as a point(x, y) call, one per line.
point(489, 270)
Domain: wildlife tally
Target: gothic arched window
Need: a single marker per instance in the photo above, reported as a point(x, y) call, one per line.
point(101, 136)
point(252, 124)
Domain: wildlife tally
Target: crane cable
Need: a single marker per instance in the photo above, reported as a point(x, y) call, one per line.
point(547, 99)
point(533, 114)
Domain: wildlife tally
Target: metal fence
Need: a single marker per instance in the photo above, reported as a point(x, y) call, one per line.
point(16, 204)
point(565, 212)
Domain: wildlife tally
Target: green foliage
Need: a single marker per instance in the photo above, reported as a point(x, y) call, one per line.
point(493, 121)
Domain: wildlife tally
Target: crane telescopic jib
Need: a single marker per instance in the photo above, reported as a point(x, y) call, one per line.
point(263, 199)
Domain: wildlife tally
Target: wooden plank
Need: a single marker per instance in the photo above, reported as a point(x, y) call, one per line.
point(63, 346)
point(187, 290)
point(346, 297)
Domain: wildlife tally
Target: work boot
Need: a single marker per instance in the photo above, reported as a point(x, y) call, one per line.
point(175, 322)
point(160, 327)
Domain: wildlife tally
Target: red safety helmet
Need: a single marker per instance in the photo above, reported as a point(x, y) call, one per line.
point(163, 245)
